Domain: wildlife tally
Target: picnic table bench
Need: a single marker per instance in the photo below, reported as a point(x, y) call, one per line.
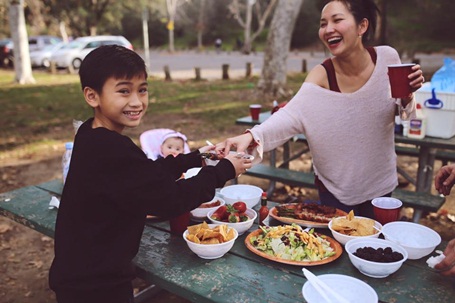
point(420, 201)
point(239, 276)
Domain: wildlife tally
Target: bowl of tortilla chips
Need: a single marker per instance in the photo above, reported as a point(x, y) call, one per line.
point(350, 227)
point(210, 241)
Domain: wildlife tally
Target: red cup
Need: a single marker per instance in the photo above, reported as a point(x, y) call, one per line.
point(180, 223)
point(399, 82)
point(255, 109)
point(386, 209)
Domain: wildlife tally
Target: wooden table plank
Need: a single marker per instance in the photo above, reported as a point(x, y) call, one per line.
point(227, 279)
point(29, 206)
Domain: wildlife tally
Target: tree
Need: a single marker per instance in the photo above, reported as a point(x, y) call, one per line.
point(22, 65)
point(261, 16)
point(273, 76)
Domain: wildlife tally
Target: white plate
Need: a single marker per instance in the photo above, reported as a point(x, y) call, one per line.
point(352, 289)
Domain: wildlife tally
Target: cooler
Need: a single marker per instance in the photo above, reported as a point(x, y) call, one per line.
point(439, 109)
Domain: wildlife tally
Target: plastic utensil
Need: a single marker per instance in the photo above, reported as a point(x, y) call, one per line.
point(322, 288)
point(433, 102)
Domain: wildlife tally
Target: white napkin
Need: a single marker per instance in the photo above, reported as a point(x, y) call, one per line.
point(432, 261)
point(54, 203)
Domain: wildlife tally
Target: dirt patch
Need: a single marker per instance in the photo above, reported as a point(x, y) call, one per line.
point(26, 255)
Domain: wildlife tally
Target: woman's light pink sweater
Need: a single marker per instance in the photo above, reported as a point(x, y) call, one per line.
point(350, 135)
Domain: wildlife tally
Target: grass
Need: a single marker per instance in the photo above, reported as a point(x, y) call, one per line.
point(40, 115)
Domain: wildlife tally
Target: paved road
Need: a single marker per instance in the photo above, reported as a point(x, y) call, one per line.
point(182, 64)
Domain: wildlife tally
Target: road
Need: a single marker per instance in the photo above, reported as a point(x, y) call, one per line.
point(182, 64)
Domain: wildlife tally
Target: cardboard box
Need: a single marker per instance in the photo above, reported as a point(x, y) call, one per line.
point(440, 116)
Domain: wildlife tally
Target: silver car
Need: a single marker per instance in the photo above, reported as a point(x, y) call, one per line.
point(41, 58)
point(74, 52)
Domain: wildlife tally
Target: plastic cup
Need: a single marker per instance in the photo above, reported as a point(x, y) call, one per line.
point(180, 223)
point(399, 82)
point(255, 109)
point(386, 209)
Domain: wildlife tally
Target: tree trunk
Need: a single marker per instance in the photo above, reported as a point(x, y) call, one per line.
point(22, 65)
point(273, 76)
point(247, 34)
point(200, 27)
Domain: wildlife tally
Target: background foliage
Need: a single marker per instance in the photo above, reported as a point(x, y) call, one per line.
point(412, 25)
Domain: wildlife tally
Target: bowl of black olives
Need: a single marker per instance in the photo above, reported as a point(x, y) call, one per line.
point(376, 258)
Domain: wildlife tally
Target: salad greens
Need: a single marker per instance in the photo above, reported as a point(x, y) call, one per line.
point(290, 242)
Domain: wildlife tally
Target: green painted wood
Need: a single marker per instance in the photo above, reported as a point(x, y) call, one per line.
point(421, 200)
point(442, 155)
point(169, 263)
point(240, 275)
point(403, 286)
point(30, 207)
point(291, 177)
point(53, 186)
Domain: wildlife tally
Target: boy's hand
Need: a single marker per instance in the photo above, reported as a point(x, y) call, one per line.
point(241, 164)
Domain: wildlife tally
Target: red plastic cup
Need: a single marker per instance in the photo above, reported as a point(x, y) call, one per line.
point(399, 82)
point(255, 109)
point(386, 209)
point(180, 223)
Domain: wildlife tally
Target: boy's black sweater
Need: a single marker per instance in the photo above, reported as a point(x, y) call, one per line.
point(110, 188)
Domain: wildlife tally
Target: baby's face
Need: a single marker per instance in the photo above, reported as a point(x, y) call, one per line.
point(172, 146)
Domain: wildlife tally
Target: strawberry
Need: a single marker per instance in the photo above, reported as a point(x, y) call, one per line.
point(240, 206)
point(220, 213)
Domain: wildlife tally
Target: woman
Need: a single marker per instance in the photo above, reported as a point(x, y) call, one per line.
point(345, 110)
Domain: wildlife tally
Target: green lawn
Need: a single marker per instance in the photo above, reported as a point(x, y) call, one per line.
point(42, 113)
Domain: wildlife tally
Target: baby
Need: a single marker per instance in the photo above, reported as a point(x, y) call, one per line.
point(173, 143)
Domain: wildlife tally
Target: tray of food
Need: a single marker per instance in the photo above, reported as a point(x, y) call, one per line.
point(290, 244)
point(305, 214)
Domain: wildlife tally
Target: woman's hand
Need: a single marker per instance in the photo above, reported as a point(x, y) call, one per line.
point(416, 78)
point(240, 143)
point(448, 261)
point(445, 179)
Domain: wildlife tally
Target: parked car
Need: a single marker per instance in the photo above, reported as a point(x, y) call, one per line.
point(40, 42)
point(35, 43)
point(41, 58)
point(74, 52)
point(6, 56)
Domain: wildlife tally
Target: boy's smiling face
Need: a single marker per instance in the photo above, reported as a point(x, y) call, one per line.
point(122, 103)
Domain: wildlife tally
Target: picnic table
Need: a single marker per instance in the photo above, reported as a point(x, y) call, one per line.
point(427, 150)
point(239, 276)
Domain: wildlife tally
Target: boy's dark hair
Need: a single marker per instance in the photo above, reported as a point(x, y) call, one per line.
point(110, 61)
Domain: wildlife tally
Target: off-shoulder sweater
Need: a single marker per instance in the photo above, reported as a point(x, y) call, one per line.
point(350, 135)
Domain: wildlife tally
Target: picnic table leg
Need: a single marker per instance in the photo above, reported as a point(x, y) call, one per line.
point(272, 184)
point(424, 175)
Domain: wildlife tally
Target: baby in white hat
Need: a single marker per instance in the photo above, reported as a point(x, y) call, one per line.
point(173, 143)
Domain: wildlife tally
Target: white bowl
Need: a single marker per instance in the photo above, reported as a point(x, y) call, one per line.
point(202, 212)
point(343, 239)
point(352, 289)
point(241, 227)
point(370, 268)
point(210, 251)
point(418, 240)
point(249, 194)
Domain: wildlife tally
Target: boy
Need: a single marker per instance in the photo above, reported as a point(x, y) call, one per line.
point(111, 185)
point(173, 144)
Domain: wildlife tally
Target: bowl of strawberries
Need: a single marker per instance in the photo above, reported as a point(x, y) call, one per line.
point(236, 215)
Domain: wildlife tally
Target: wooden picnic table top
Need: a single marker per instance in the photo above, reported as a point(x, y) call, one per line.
point(239, 276)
